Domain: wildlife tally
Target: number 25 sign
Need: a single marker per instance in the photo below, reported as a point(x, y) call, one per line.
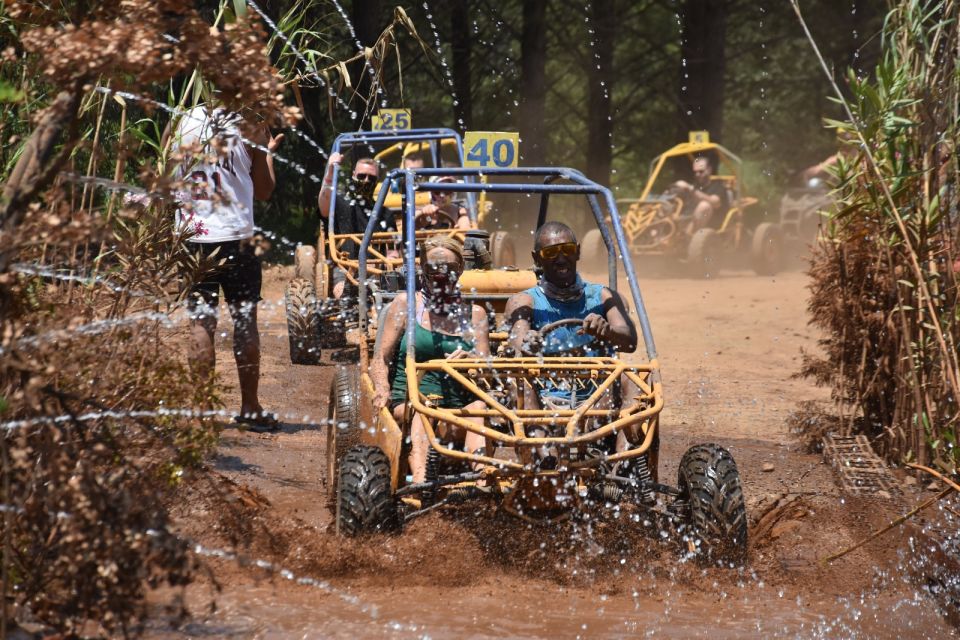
point(487, 149)
point(391, 119)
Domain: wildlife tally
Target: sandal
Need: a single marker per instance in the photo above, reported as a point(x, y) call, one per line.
point(263, 422)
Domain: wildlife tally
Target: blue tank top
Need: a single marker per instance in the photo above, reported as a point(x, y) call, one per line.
point(547, 310)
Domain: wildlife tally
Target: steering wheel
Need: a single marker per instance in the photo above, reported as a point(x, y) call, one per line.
point(580, 341)
point(444, 218)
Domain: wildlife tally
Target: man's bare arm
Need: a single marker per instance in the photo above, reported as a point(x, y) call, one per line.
point(326, 190)
point(519, 314)
point(622, 333)
point(261, 171)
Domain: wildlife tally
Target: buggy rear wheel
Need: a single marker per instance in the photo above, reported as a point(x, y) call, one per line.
point(303, 325)
point(503, 250)
point(709, 484)
point(592, 250)
point(703, 253)
point(767, 249)
point(365, 503)
point(343, 423)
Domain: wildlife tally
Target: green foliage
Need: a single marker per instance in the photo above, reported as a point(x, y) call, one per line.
point(885, 285)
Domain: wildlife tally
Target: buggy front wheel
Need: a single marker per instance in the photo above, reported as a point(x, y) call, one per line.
point(365, 503)
point(710, 488)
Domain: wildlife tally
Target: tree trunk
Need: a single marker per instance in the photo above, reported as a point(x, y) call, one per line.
point(533, 83)
point(704, 24)
point(600, 117)
point(460, 37)
point(366, 24)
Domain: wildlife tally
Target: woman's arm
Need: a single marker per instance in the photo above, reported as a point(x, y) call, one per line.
point(481, 329)
point(386, 349)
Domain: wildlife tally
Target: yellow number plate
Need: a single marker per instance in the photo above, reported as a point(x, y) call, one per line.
point(485, 149)
point(398, 119)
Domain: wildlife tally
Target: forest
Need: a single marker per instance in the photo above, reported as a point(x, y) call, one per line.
point(125, 473)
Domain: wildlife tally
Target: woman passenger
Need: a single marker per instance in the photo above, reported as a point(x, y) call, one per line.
point(446, 327)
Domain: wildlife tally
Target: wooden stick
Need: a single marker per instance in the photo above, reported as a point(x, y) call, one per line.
point(936, 474)
point(895, 523)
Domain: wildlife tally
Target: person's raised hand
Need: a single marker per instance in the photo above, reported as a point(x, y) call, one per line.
point(335, 158)
point(274, 142)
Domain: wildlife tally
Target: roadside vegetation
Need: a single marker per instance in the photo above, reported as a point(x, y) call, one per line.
point(885, 277)
point(101, 420)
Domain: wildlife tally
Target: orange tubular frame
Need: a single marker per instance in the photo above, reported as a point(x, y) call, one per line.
point(642, 414)
point(378, 262)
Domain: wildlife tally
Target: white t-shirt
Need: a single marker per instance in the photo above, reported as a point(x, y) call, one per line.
point(219, 205)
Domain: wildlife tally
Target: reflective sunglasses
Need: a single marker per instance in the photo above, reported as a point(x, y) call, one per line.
point(568, 249)
point(365, 177)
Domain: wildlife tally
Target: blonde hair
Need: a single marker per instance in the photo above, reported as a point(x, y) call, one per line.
point(444, 242)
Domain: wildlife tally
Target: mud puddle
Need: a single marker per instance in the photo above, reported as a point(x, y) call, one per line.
point(729, 349)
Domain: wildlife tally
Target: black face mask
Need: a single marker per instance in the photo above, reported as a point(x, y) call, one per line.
point(364, 188)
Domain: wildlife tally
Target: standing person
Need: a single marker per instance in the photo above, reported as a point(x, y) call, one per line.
point(225, 175)
point(705, 198)
point(353, 209)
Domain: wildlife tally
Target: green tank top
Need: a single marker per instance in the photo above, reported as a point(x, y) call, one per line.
point(430, 345)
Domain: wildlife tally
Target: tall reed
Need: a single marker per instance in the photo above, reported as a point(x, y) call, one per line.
point(884, 276)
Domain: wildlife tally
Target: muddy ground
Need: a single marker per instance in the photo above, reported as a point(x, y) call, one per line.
point(729, 349)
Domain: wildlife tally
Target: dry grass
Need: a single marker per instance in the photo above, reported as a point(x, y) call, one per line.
point(884, 278)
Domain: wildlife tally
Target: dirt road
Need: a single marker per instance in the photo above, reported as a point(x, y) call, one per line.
point(729, 349)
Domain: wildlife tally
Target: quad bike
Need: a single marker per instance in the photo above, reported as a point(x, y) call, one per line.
point(540, 465)
point(657, 225)
point(315, 319)
point(801, 211)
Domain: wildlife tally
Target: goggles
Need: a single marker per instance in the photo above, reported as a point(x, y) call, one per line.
point(568, 249)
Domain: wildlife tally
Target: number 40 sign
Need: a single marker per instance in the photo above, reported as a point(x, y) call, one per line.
point(485, 149)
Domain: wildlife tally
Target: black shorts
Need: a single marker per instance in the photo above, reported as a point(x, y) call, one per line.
point(240, 277)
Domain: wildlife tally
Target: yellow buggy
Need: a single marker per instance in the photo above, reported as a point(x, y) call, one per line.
point(315, 320)
point(367, 480)
point(656, 224)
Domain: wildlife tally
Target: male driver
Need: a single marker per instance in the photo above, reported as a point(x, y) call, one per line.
point(218, 211)
point(562, 294)
point(442, 212)
point(353, 209)
point(414, 160)
point(706, 199)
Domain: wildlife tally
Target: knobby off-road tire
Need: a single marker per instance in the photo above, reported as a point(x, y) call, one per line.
point(709, 483)
point(703, 254)
point(303, 325)
point(503, 250)
point(365, 503)
point(766, 251)
point(343, 423)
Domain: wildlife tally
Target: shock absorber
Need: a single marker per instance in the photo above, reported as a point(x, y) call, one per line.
point(638, 470)
point(641, 473)
point(429, 495)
